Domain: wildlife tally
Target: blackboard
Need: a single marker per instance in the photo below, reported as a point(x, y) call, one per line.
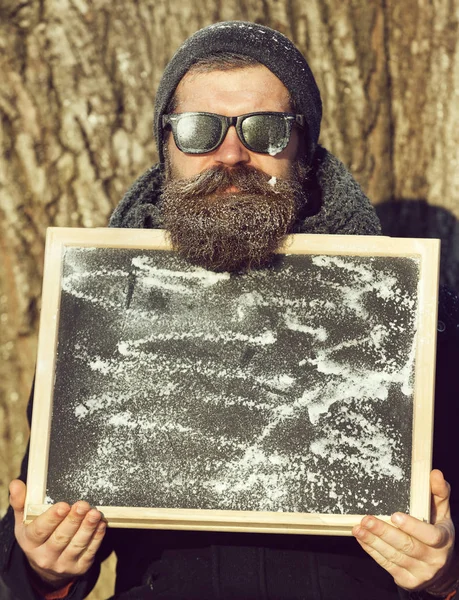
point(283, 390)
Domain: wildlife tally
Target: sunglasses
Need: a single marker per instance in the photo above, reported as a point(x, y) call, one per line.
point(201, 132)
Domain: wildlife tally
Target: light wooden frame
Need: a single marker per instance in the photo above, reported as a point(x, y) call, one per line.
point(427, 250)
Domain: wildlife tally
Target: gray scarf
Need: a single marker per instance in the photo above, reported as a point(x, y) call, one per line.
point(337, 202)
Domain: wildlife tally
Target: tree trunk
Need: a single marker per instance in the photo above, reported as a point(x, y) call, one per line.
point(77, 82)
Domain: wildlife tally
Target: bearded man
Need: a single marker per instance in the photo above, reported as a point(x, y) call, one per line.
point(237, 119)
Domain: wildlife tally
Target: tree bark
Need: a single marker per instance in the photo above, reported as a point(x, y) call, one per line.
point(77, 83)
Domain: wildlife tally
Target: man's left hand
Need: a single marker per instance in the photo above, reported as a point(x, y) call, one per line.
point(418, 555)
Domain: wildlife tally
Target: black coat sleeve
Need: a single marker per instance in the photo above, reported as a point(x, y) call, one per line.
point(14, 567)
point(445, 451)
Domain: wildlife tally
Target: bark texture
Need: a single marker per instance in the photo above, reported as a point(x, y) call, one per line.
point(77, 82)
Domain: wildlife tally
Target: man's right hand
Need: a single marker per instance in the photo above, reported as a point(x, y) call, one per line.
point(62, 542)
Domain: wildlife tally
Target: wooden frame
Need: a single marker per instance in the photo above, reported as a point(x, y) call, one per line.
point(221, 520)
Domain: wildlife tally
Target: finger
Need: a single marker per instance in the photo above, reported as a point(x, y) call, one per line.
point(440, 496)
point(17, 499)
point(395, 538)
point(434, 536)
point(83, 536)
point(401, 576)
point(87, 557)
point(39, 531)
point(64, 533)
point(394, 545)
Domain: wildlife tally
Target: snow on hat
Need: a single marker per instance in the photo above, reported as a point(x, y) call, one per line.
point(268, 47)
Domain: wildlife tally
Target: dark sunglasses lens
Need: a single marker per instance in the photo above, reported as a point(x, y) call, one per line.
point(266, 133)
point(197, 134)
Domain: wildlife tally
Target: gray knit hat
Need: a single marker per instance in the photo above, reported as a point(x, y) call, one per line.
point(267, 46)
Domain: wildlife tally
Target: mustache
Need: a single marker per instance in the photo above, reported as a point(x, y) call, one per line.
point(247, 179)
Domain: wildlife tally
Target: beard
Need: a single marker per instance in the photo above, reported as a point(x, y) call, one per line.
point(226, 231)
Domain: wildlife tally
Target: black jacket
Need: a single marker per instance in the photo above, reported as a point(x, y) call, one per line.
point(181, 565)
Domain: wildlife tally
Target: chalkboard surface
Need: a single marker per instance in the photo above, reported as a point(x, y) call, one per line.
point(286, 389)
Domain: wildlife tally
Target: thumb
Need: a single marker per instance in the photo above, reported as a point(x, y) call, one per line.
point(440, 496)
point(17, 499)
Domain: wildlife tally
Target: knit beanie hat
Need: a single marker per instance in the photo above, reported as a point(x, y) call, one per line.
point(268, 47)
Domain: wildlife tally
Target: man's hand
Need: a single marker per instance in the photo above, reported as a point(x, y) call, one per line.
point(61, 543)
point(418, 555)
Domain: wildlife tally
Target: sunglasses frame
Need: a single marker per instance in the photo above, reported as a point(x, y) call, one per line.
point(226, 122)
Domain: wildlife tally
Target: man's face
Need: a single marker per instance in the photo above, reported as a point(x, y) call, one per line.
point(229, 208)
point(232, 93)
